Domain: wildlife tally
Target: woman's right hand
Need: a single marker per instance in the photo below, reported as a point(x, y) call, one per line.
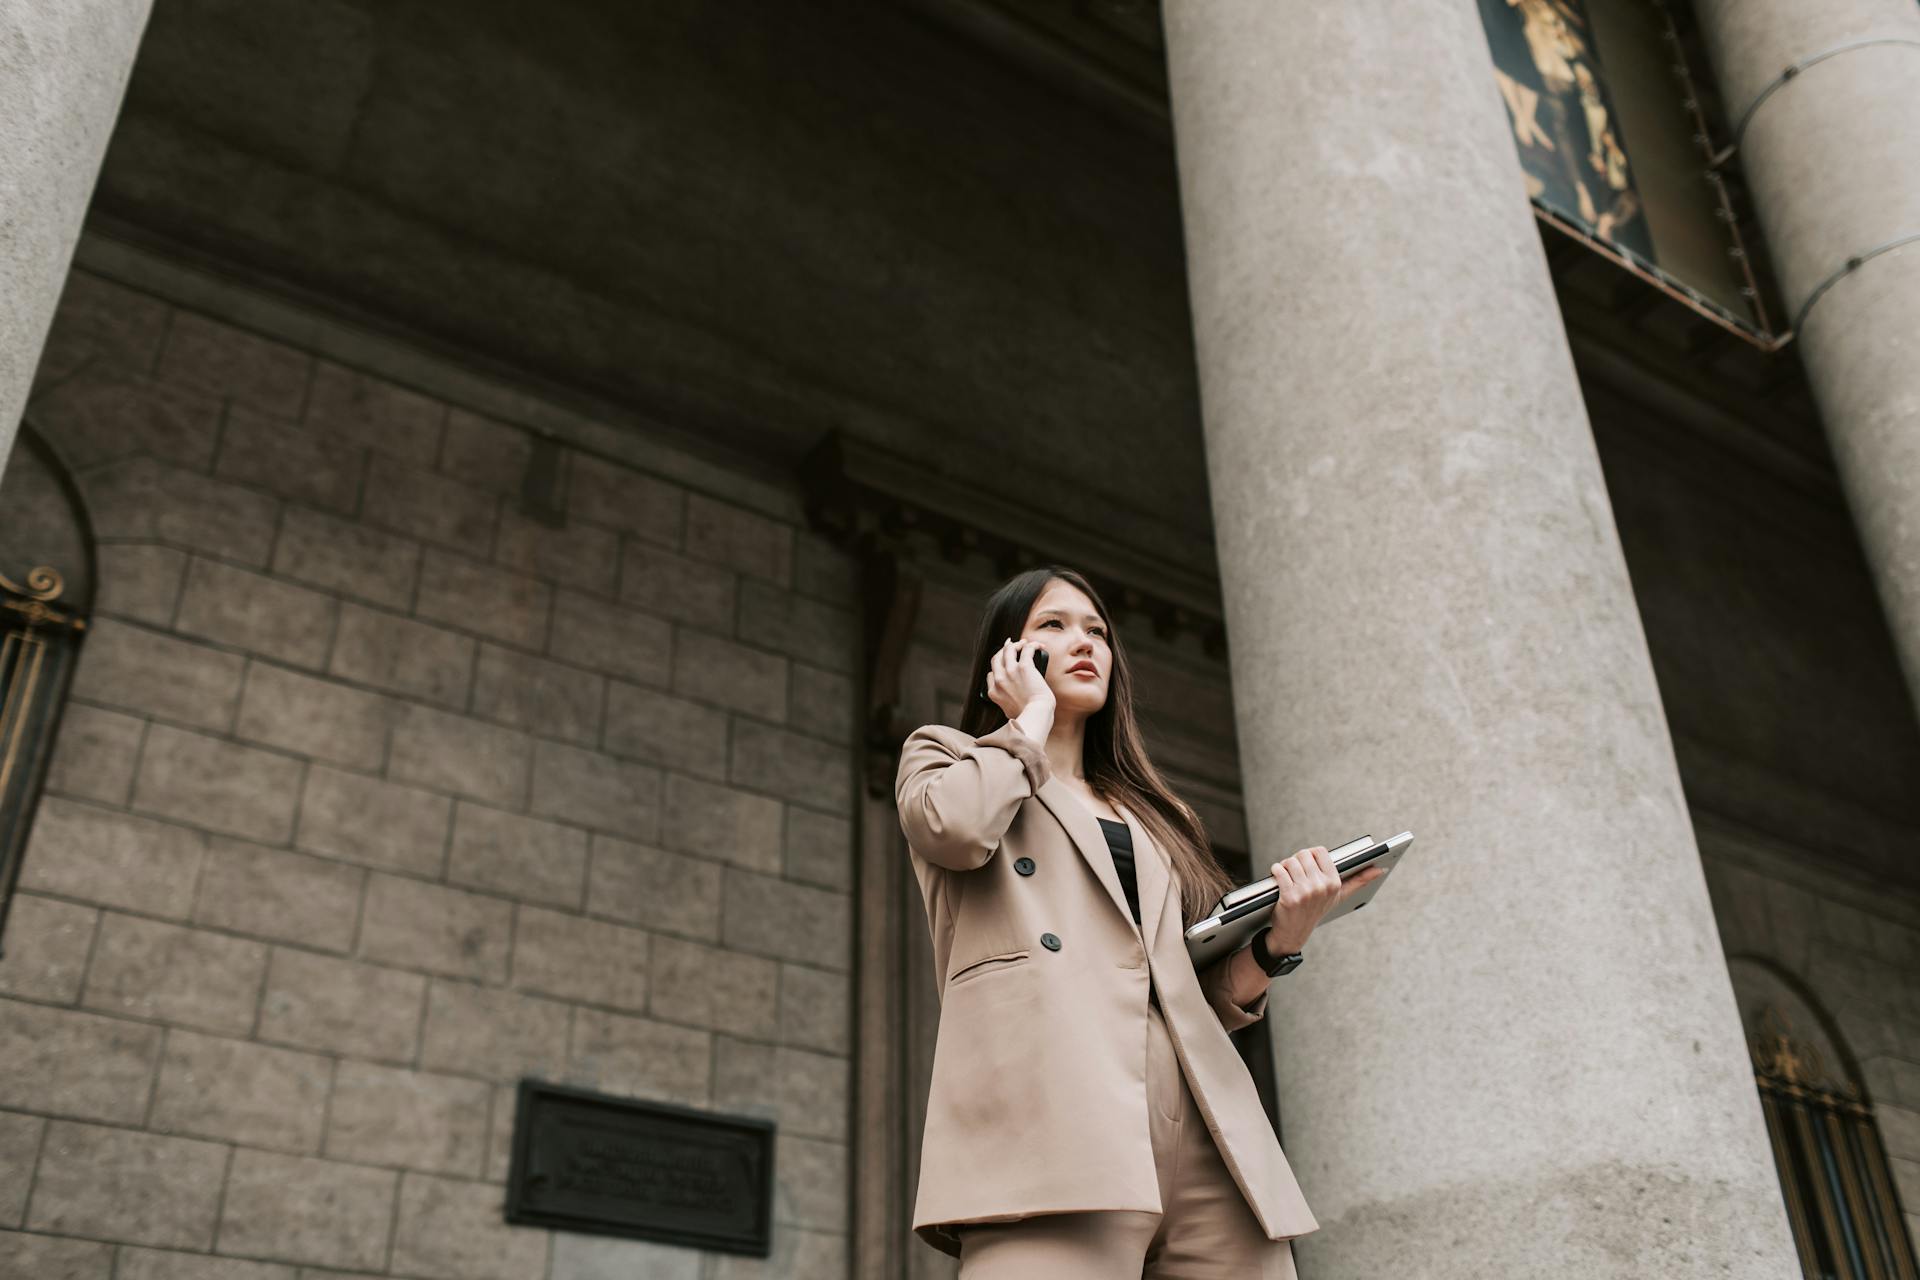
point(1015, 685)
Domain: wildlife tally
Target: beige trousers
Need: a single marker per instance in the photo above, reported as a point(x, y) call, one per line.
point(1205, 1231)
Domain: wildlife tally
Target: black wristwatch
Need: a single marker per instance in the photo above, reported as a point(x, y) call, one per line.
point(1274, 965)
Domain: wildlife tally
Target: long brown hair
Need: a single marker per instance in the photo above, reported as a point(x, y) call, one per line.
point(1114, 758)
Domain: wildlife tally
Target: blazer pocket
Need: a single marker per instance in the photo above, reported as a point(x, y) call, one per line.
point(989, 964)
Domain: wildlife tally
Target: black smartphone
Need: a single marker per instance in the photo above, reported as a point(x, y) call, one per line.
point(1039, 664)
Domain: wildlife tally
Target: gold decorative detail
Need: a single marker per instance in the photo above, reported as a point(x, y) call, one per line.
point(43, 583)
point(1782, 1057)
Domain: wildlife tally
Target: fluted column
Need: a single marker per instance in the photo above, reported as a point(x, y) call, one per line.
point(1525, 1059)
point(63, 68)
point(1826, 95)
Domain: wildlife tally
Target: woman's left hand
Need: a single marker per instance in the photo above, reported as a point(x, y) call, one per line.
point(1309, 888)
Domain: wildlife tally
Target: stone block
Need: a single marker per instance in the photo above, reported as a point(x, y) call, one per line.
point(316, 717)
point(254, 371)
point(35, 1257)
point(94, 755)
point(233, 1091)
point(742, 540)
point(501, 1035)
point(402, 656)
point(412, 1119)
point(821, 703)
point(379, 824)
point(67, 1063)
point(452, 1230)
point(140, 581)
point(525, 858)
point(579, 555)
point(143, 498)
point(736, 676)
point(723, 823)
point(675, 587)
point(454, 753)
point(654, 888)
point(484, 598)
point(595, 790)
point(116, 326)
point(823, 570)
point(806, 1094)
point(622, 498)
point(483, 452)
point(19, 1145)
point(579, 1257)
point(164, 972)
point(341, 1006)
point(345, 404)
point(257, 613)
point(571, 958)
point(1899, 1130)
point(657, 728)
point(304, 1209)
point(166, 1264)
point(641, 1058)
point(429, 506)
point(810, 1183)
point(343, 556)
point(795, 766)
point(820, 849)
point(295, 464)
point(221, 786)
point(156, 674)
point(816, 1009)
point(713, 987)
point(798, 1254)
point(136, 1188)
point(611, 638)
point(549, 698)
point(47, 945)
point(500, 1140)
point(427, 926)
point(104, 415)
point(277, 895)
point(810, 630)
point(115, 859)
point(792, 921)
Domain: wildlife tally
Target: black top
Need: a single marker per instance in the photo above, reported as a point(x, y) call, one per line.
point(1120, 844)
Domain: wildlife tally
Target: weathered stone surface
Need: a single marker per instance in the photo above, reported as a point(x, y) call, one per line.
point(822, 703)
point(426, 926)
point(622, 498)
point(815, 1009)
point(116, 859)
point(350, 558)
point(810, 630)
point(188, 977)
point(413, 1119)
point(295, 464)
point(655, 888)
point(158, 675)
point(341, 1006)
point(232, 362)
point(69, 1063)
point(595, 790)
point(104, 415)
point(638, 1056)
point(255, 612)
point(484, 598)
point(675, 587)
point(217, 785)
point(723, 823)
point(315, 717)
point(820, 848)
point(483, 452)
point(742, 540)
point(804, 769)
point(280, 896)
point(501, 1035)
point(713, 987)
point(402, 656)
point(140, 581)
point(735, 676)
point(459, 754)
point(525, 857)
point(798, 1254)
point(345, 404)
point(166, 1264)
point(380, 824)
point(145, 498)
point(115, 326)
point(115, 1184)
point(238, 1092)
point(823, 570)
point(571, 958)
point(810, 1183)
point(19, 1145)
point(612, 638)
point(94, 755)
point(804, 1093)
point(579, 555)
point(547, 698)
point(47, 945)
point(452, 1230)
point(581, 1257)
point(429, 506)
point(660, 729)
point(26, 1256)
point(792, 921)
point(304, 1209)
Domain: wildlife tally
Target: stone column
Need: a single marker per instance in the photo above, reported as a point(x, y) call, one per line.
point(1525, 1058)
point(63, 68)
point(1826, 97)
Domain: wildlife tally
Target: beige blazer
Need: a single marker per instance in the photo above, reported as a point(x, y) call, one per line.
point(1038, 1098)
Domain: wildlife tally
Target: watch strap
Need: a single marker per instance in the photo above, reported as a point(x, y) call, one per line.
point(1273, 965)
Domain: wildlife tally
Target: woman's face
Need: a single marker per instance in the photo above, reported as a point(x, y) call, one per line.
point(1064, 623)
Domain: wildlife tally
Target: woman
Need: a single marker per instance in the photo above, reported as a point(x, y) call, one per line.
point(1087, 1114)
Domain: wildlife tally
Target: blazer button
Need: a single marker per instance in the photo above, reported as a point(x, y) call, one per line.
point(1050, 942)
point(1024, 866)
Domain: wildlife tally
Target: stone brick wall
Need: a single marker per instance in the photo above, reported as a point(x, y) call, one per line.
point(377, 793)
point(1855, 947)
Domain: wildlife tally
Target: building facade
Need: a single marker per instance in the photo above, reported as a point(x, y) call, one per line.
point(512, 479)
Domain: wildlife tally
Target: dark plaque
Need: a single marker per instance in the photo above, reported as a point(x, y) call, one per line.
point(589, 1162)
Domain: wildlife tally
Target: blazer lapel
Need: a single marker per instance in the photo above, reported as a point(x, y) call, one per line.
point(1091, 841)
